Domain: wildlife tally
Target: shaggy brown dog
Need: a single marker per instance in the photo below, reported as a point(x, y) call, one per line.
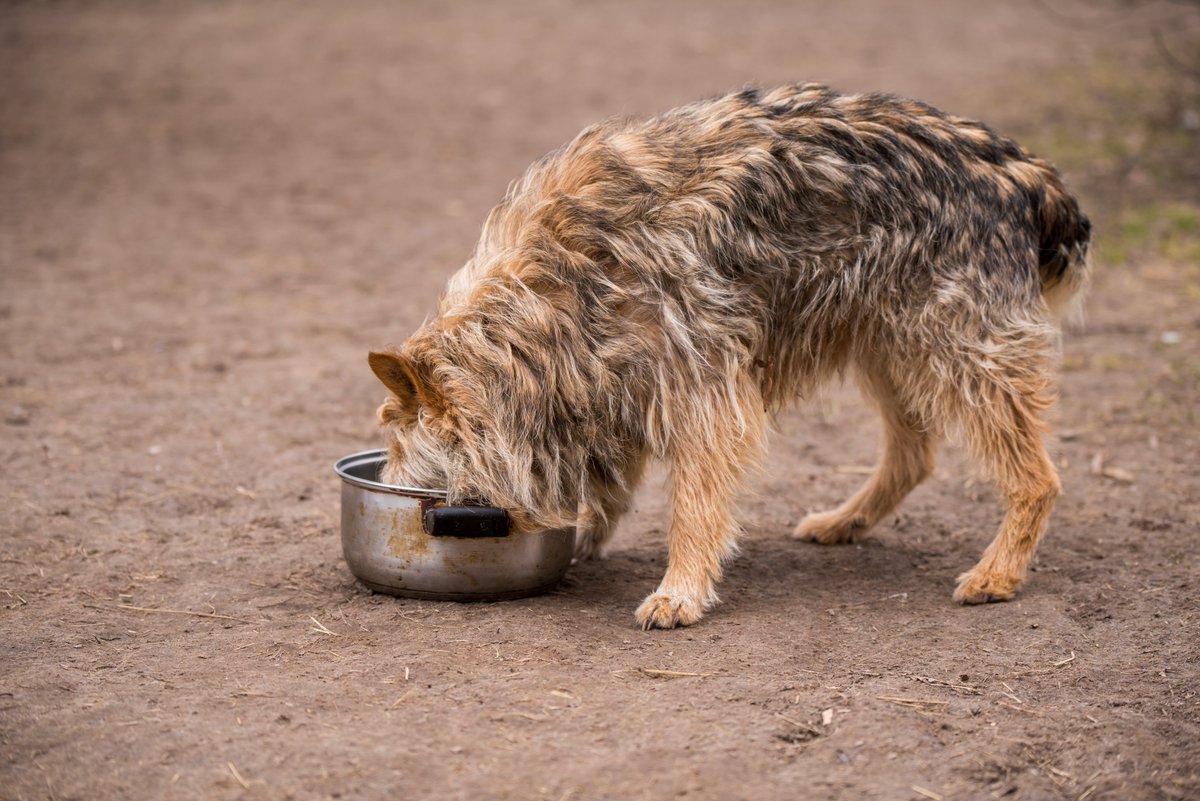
point(656, 289)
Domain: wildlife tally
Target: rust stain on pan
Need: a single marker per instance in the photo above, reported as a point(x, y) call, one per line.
point(407, 538)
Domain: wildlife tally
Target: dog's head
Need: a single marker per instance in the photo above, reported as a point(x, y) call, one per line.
point(421, 440)
point(465, 414)
point(442, 432)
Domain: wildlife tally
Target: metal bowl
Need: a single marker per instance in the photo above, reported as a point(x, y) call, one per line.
point(407, 541)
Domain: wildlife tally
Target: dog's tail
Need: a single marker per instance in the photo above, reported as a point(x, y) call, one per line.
point(1064, 234)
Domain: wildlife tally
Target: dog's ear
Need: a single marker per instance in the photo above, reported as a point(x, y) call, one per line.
point(400, 375)
point(396, 372)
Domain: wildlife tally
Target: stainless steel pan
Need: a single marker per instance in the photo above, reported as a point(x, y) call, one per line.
point(407, 541)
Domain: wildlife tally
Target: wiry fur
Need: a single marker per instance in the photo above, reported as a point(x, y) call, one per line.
point(655, 289)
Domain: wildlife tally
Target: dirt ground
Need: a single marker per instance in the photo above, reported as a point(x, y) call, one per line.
point(210, 212)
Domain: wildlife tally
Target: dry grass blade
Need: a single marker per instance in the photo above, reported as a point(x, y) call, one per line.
point(1009, 692)
point(1066, 661)
point(151, 610)
point(672, 674)
point(1117, 474)
point(793, 721)
point(803, 731)
point(964, 689)
point(238, 776)
point(17, 596)
point(1016, 708)
point(319, 627)
point(912, 703)
point(919, 790)
point(903, 596)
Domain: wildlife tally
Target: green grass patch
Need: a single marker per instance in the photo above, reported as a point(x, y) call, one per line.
point(1168, 231)
point(1122, 127)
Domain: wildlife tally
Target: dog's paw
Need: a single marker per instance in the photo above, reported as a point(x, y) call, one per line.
point(981, 586)
point(830, 528)
point(666, 610)
point(589, 545)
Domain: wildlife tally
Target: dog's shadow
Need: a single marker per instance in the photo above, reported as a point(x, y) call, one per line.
point(774, 575)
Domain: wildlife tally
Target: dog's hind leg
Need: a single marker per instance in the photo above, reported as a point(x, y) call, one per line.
point(907, 460)
point(709, 459)
point(1002, 421)
point(610, 500)
point(997, 392)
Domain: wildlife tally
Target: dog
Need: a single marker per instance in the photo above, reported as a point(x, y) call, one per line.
point(659, 289)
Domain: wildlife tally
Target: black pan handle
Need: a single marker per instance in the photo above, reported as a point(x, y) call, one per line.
point(466, 521)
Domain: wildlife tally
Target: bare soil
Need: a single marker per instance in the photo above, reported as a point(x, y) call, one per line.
point(209, 212)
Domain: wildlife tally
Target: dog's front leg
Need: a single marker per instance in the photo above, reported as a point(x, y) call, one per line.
point(706, 473)
point(701, 535)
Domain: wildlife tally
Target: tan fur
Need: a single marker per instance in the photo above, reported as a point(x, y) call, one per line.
point(654, 290)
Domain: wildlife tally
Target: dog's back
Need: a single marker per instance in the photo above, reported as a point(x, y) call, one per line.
point(796, 224)
point(891, 184)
